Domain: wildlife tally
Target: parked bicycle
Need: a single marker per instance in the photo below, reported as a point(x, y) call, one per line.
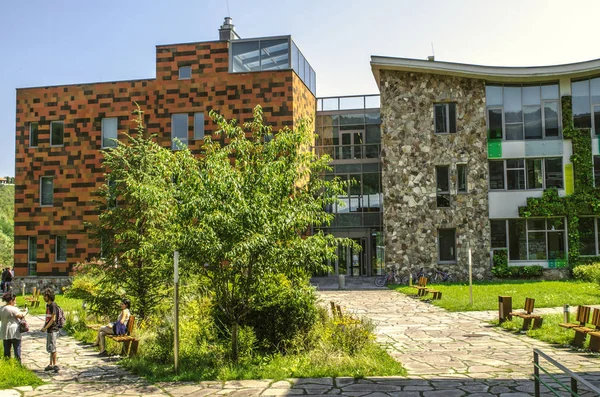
point(390, 278)
point(442, 276)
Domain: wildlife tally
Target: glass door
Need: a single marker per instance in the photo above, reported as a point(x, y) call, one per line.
point(357, 262)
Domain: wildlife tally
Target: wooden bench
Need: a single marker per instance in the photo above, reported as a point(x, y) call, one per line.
point(336, 310)
point(421, 286)
point(581, 332)
point(527, 315)
point(34, 299)
point(582, 317)
point(130, 343)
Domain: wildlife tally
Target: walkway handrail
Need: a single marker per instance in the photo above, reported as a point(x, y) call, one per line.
point(574, 377)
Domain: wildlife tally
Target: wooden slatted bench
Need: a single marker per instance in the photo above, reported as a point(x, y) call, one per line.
point(34, 299)
point(130, 343)
point(435, 294)
point(528, 317)
point(581, 332)
point(421, 286)
point(581, 318)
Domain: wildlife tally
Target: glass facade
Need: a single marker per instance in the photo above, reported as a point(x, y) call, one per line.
point(533, 239)
point(349, 131)
point(268, 54)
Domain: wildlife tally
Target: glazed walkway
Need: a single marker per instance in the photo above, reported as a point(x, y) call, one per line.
point(446, 354)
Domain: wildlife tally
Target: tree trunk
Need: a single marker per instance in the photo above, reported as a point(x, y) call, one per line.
point(234, 342)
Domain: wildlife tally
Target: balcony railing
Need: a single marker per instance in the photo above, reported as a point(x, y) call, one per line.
point(350, 152)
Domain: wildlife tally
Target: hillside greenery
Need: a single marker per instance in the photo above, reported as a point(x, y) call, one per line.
point(7, 200)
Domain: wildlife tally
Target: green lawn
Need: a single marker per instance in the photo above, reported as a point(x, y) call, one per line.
point(67, 304)
point(455, 297)
point(549, 331)
point(14, 375)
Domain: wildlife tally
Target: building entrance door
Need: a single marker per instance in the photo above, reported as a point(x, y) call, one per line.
point(356, 260)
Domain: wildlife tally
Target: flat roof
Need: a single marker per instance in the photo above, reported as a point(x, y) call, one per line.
point(490, 73)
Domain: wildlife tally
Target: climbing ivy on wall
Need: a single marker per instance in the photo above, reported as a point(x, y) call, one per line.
point(585, 199)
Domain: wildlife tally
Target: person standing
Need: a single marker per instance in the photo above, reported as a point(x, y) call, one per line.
point(9, 278)
point(9, 328)
point(51, 328)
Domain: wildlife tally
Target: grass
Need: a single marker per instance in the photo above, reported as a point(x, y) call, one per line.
point(455, 297)
point(67, 304)
point(371, 361)
point(549, 331)
point(15, 375)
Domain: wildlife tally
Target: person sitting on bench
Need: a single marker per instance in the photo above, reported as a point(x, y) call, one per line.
point(117, 328)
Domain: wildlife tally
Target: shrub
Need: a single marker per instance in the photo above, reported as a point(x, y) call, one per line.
point(588, 272)
point(351, 334)
point(502, 270)
point(282, 310)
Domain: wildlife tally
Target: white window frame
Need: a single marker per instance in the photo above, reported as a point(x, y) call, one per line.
point(189, 67)
point(63, 127)
point(505, 189)
point(41, 191)
point(103, 131)
point(31, 133)
point(31, 263)
point(446, 105)
point(198, 129)
point(56, 251)
point(527, 231)
point(187, 129)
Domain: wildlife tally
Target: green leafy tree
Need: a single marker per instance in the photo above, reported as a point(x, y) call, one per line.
point(136, 215)
point(7, 198)
point(245, 210)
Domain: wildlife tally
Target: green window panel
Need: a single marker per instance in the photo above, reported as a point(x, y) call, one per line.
point(494, 148)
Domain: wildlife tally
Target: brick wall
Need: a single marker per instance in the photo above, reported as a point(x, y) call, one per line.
point(76, 167)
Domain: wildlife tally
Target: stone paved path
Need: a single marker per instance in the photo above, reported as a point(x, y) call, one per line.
point(446, 354)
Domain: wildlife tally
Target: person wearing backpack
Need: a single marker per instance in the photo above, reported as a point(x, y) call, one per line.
point(51, 328)
point(10, 317)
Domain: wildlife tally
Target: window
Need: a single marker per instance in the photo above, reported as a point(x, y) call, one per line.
point(461, 170)
point(61, 248)
point(33, 134)
point(57, 133)
point(496, 174)
point(445, 118)
point(524, 174)
point(498, 233)
point(596, 170)
point(46, 190)
point(586, 104)
point(31, 256)
point(442, 175)
point(446, 245)
point(179, 131)
point(535, 238)
point(515, 174)
point(185, 72)
point(587, 236)
point(109, 132)
point(198, 125)
point(522, 112)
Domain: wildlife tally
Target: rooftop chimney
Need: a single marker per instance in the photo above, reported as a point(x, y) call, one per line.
point(431, 58)
point(227, 30)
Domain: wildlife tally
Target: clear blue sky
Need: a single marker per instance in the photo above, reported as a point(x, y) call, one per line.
point(74, 41)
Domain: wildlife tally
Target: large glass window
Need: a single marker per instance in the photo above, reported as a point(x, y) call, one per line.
point(522, 112)
point(586, 104)
point(535, 239)
point(198, 125)
point(109, 132)
point(61, 248)
point(179, 131)
point(526, 173)
point(46, 190)
point(447, 245)
point(57, 133)
point(31, 256)
point(33, 134)
point(445, 118)
point(442, 174)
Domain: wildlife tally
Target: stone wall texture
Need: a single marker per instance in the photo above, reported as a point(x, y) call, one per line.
point(76, 167)
point(411, 150)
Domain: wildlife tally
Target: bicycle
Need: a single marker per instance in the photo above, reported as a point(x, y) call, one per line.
point(442, 276)
point(390, 278)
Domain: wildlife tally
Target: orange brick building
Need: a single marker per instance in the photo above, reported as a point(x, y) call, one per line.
point(61, 131)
